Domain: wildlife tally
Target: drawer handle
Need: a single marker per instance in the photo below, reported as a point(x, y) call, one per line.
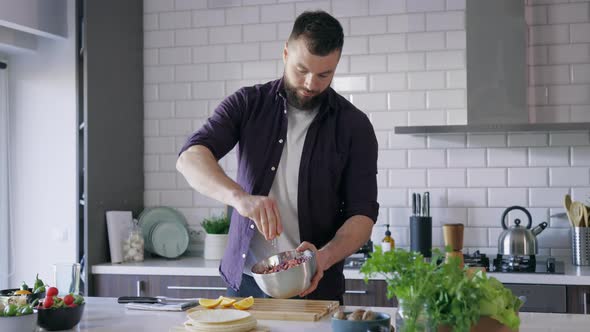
point(139, 287)
point(198, 288)
point(355, 292)
point(585, 302)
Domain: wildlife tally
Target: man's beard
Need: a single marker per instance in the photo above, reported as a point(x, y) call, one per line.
point(298, 102)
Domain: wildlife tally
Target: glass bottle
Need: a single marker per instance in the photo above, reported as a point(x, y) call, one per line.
point(388, 243)
point(133, 246)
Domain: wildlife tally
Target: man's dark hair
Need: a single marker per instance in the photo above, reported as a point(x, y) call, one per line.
point(322, 32)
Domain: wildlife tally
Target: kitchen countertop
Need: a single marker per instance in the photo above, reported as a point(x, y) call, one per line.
point(198, 266)
point(105, 314)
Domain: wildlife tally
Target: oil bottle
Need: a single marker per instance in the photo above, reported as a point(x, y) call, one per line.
point(388, 243)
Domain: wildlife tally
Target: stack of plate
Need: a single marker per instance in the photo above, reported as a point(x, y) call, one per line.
point(164, 231)
point(222, 320)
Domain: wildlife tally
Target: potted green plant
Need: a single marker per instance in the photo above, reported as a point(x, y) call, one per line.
point(436, 296)
point(217, 228)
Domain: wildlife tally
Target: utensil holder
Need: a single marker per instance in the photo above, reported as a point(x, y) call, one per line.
point(581, 245)
point(421, 235)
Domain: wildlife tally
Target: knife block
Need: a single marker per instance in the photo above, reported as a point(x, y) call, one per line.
point(421, 235)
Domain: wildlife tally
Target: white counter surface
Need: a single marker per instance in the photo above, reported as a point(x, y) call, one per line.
point(198, 266)
point(105, 315)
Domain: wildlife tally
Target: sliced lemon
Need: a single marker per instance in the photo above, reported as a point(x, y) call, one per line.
point(22, 292)
point(226, 302)
point(210, 303)
point(245, 303)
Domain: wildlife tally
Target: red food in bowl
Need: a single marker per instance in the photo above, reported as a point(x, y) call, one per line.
point(286, 264)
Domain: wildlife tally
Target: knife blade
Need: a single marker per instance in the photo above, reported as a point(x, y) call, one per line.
point(426, 205)
point(152, 299)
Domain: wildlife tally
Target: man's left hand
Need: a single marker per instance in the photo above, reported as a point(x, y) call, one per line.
point(320, 266)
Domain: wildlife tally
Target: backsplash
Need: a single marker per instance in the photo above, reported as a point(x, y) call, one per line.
point(403, 63)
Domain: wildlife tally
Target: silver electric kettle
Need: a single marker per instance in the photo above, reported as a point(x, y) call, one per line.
point(518, 240)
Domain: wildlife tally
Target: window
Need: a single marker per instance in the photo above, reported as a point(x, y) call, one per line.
point(5, 247)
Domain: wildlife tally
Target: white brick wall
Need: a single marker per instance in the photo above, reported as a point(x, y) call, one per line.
point(403, 63)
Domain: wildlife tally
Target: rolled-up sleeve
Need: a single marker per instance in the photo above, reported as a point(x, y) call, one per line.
point(360, 174)
point(221, 131)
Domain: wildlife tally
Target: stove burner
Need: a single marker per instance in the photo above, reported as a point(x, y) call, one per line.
point(507, 263)
point(476, 259)
point(354, 262)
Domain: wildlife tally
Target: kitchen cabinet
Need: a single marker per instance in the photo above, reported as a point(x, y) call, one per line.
point(541, 298)
point(110, 121)
point(115, 285)
point(373, 293)
point(578, 299)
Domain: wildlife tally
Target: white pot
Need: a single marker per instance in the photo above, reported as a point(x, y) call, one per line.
point(215, 245)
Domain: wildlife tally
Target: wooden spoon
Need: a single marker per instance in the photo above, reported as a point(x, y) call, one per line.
point(567, 204)
point(585, 220)
point(577, 214)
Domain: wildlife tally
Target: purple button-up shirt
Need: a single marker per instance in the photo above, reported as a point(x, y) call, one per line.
point(337, 175)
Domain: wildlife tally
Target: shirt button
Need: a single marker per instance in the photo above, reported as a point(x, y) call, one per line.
point(281, 140)
point(243, 255)
point(272, 168)
point(252, 226)
point(285, 111)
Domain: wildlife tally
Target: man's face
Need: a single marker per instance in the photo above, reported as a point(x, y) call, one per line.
point(307, 76)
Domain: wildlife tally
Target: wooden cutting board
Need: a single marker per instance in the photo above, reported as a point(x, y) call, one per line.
point(279, 309)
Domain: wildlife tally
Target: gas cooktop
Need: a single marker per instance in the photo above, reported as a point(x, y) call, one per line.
point(354, 262)
point(515, 264)
point(499, 264)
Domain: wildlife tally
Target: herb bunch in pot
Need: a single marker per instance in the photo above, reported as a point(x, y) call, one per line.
point(436, 296)
point(217, 229)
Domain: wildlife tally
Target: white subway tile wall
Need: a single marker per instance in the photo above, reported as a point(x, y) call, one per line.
point(403, 63)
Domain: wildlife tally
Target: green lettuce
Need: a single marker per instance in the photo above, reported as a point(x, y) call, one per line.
point(497, 301)
point(445, 293)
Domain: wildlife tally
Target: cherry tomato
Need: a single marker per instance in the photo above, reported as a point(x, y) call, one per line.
point(51, 292)
point(68, 299)
point(48, 302)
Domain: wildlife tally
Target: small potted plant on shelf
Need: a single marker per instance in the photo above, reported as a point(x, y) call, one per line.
point(217, 228)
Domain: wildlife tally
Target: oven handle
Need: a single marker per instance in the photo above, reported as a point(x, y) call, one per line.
point(585, 302)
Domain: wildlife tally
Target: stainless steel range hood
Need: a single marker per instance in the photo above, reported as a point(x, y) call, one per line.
point(496, 73)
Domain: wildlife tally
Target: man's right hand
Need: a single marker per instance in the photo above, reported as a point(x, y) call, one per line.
point(263, 211)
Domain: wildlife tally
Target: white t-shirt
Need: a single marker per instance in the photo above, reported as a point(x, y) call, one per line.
point(284, 189)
